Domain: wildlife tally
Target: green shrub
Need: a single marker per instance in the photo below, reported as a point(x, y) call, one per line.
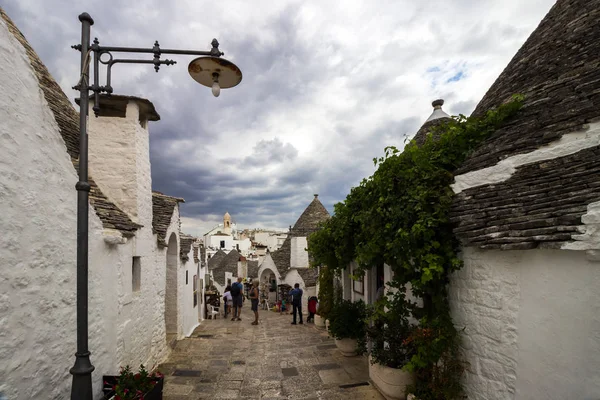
point(348, 320)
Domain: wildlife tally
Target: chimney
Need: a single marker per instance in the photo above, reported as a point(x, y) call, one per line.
point(119, 153)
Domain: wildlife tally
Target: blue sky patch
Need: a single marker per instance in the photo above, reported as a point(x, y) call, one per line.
point(456, 77)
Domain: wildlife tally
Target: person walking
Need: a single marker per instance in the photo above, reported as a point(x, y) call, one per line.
point(227, 301)
point(312, 309)
point(238, 299)
point(254, 300)
point(296, 294)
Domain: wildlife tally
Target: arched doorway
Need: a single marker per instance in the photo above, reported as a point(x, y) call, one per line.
point(268, 283)
point(171, 287)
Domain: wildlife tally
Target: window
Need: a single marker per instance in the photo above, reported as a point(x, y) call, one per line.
point(222, 244)
point(136, 274)
point(186, 277)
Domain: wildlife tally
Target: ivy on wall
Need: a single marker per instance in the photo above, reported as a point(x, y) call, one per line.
point(400, 216)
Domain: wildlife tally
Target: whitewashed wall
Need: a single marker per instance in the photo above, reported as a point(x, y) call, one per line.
point(190, 312)
point(532, 323)
point(179, 278)
point(244, 245)
point(298, 253)
point(38, 222)
point(119, 155)
point(269, 265)
point(215, 242)
point(38, 253)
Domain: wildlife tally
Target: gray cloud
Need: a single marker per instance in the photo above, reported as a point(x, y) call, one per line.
point(327, 86)
point(270, 151)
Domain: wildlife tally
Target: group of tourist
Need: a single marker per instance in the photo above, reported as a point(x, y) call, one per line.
point(234, 298)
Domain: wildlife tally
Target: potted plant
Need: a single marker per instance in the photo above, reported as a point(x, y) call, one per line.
point(348, 326)
point(130, 386)
point(390, 350)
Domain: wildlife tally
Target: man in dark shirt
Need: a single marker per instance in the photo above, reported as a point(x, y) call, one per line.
point(238, 299)
point(296, 294)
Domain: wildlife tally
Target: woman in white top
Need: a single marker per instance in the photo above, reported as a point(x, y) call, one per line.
point(227, 300)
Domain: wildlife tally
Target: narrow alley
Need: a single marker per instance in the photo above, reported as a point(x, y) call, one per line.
point(274, 360)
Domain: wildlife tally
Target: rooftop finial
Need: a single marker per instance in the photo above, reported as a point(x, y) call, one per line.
point(316, 195)
point(438, 103)
point(437, 110)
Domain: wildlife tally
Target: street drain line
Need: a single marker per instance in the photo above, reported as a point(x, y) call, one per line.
point(353, 385)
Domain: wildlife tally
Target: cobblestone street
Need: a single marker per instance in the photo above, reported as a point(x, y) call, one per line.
point(274, 360)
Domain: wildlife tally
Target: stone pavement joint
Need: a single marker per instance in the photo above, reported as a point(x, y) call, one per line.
point(226, 359)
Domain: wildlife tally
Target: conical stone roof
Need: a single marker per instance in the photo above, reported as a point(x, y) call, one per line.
point(557, 70)
point(542, 203)
point(310, 219)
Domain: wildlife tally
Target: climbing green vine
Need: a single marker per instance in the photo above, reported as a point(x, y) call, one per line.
point(400, 216)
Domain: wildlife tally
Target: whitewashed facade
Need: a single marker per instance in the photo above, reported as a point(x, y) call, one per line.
point(129, 288)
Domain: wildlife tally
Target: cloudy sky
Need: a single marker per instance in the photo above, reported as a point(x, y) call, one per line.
point(327, 85)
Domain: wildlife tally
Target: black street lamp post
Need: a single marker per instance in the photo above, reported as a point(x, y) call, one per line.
point(209, 70)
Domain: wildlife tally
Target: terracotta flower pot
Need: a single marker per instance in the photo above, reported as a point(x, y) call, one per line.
point(346, 346)
point(391, 382)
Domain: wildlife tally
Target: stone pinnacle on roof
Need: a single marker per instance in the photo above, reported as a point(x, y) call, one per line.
point(437, 111)
point(437, 117)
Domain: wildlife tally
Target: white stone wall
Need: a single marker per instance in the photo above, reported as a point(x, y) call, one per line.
point(244, 245)
point(215, 242)
point(190, 312)
point(532, 320)
point(38, 253)
point(298, 253)
point(269, 265)
point(177, 280)
point(262, 237)
point(119, 158)
point(38, 223)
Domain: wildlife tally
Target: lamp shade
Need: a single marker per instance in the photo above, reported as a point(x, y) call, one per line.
point(203, 68)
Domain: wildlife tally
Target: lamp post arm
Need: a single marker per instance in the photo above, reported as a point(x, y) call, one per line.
point(104, 49)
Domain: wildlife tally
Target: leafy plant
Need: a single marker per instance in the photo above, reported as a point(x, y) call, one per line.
point(400, 216)
point(390, 327)
point(130, 386)
point(348, 320)
point(326, 291)
point(436, 363)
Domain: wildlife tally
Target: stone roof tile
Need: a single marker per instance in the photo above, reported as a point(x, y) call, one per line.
point(185, 244)
point(541, 204)
point(229, 263)
point(308, 275)
point(216, 259)
point(252, 269)
point(162, 212)
point(195, 253)
point(558, 71)
point(281, 257)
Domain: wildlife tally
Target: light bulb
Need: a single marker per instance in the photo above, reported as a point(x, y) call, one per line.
point(216, 89)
